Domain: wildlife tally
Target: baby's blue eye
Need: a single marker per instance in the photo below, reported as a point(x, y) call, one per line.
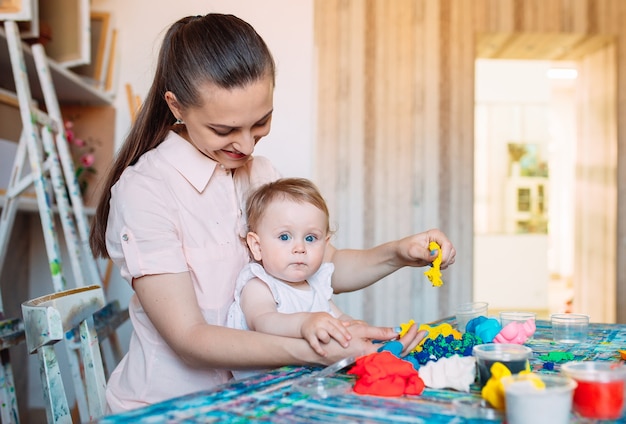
point(310, 239)
point(284, 237)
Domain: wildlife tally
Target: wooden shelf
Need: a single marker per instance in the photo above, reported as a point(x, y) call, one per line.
point(70, 88)
point(28, 203)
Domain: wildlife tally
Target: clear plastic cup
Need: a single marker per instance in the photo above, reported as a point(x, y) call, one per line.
point(322, 384)
point(601, 388)
point(569, 328)
point(525, 322)
point(467, 311)
point(527, 403)
point(515, 316)
point(513, 356)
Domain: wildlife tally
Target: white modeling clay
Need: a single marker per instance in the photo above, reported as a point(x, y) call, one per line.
point(456, 372)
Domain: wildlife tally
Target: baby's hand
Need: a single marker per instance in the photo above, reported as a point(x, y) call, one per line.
point(320, 327)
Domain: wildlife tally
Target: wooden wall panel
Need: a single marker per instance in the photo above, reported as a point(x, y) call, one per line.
point(596, 210)
point(341, 102)
point(395, 137)
point(620, 253)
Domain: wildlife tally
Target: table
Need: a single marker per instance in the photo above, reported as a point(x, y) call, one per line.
point(272, 397)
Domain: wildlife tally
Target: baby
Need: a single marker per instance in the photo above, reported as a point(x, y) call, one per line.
point(287, 290)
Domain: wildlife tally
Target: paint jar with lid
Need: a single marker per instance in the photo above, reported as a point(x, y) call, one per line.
point(513, 356)
point(538, 398)
point(601, 388)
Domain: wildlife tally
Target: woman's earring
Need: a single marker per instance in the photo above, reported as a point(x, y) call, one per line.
point(179, 122)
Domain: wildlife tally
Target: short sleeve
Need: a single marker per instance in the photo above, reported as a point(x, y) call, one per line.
point(142, 236)
point(321, 279)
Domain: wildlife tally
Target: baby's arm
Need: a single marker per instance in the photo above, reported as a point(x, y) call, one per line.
point(259, 308)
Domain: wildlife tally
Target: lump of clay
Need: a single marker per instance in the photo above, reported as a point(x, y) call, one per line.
point(455, 372)
point(516, 332)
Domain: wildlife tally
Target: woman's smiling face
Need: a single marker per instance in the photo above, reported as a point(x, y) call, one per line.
point(229, 122)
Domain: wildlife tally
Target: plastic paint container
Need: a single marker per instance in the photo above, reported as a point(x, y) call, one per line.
point(514, 316)
point(515, 357)
point(510, 317)
point(527, 403)
point(569, 328)
point(601, 388)
point(467, 311)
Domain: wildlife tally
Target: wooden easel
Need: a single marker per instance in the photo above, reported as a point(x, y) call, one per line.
point(44, 143)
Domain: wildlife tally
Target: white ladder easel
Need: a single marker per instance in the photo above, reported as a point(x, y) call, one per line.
point(44, 142)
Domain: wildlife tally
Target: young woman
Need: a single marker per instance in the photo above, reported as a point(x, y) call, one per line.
point(171, 219)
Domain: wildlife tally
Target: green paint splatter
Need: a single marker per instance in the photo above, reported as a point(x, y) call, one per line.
point(557, 357)
point(55, 267)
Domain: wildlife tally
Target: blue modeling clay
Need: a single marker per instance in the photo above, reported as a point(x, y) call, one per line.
point(444, 347)
point(471, 325)
point(488, 329)
point(394, 346)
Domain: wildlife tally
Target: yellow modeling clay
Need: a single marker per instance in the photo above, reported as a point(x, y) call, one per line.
point(534, 379)
point(444, 330)
point(493, 391)
point(434, 273)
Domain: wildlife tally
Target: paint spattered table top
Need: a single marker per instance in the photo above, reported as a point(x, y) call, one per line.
point(274, 396)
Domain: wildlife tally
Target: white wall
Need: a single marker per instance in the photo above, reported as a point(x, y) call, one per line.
point(286, 26)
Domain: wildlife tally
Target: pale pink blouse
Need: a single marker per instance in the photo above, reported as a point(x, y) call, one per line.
point(176, 210)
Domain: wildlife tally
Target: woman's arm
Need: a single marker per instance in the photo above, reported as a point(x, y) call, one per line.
point(356, 269)
point(170, 302)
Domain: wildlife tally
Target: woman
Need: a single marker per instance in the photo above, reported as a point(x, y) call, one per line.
point(171, 219)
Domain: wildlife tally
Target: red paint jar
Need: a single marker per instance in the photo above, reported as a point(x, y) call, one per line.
point(601, 388)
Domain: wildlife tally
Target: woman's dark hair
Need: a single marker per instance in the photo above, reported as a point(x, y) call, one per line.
point(219, 49)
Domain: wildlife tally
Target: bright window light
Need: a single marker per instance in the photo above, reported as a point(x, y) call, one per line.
point(562, 73)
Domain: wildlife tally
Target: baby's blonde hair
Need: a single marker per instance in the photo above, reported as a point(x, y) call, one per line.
point(300, 190)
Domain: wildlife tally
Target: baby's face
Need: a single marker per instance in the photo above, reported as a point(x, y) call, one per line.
point(291, 240)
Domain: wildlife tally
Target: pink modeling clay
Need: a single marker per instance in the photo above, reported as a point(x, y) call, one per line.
point(516, 332)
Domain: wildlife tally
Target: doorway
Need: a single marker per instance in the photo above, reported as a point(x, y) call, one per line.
point(525, 147)
point(544, 156)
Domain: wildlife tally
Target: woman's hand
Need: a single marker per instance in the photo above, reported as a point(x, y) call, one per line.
point(411, 339)
point(364, 335)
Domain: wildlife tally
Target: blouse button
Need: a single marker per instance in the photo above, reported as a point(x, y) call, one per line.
point(125, 237)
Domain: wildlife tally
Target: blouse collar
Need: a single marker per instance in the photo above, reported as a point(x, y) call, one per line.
point(188, 161)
